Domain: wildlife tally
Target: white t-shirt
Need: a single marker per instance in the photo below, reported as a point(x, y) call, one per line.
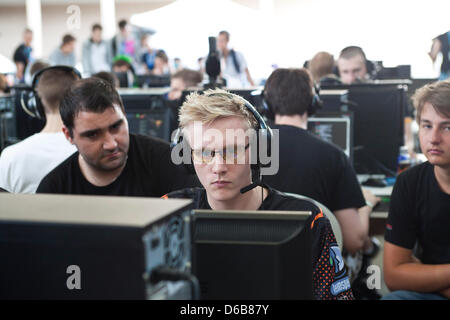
point(24, 164)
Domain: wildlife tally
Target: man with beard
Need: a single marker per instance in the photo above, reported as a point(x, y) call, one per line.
point(110, 160)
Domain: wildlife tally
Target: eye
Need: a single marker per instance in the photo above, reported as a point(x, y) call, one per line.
point(208, 154)
point(91, 135)
point(116, 126)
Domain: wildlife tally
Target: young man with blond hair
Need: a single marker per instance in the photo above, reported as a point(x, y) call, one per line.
point(219, 128)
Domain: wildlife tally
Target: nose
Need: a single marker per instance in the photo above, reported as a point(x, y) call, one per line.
point(435, 136)
point(110, 142)
point(218, 165)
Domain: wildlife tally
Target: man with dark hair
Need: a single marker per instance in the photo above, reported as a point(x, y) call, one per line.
point(417, 242)
point(124, 42)
point(233, 64)
point(182, 80)
point(22, 55)
point(97, 54)
point(310, 166)
point(352, 65)
point(65, 53)
point(109, 161)
point(23, 165)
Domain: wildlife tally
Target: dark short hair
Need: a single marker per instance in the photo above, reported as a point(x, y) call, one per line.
point(107, 76)
point(67, 39)
point(92, 95)
point(97, 26)
point(289, 91)
point(162, 54)
point(122, 24)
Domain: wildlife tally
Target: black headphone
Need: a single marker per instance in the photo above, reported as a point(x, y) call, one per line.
point(315, 105)
point(263, 132)
point(29, 98)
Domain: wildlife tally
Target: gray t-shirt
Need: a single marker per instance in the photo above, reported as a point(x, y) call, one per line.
point(59, 58)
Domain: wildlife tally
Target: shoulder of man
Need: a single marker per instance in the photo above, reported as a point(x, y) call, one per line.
point(149, 149)
point(54, 181)
point(413, 177)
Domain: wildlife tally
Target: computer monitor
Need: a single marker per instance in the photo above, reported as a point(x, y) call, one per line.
point(124, 79)
point(8, 131)
point(92, 247)
point(153, 81)
point(378, 127)
point(252, 254)
point(147, 113)
point(335, 128)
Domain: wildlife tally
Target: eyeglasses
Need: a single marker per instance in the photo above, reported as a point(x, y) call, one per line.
point(231, 155)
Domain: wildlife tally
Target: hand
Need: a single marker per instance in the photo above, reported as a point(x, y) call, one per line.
point(446, 293)
point(370, 197)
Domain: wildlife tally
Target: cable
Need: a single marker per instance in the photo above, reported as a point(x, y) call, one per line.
point(164, 273)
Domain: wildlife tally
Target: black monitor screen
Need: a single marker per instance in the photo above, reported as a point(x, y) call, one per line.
point(147, 114)
point(153, 81)
point(378, 126)
point(8, 132)
point(335, 129)
point(252, 254)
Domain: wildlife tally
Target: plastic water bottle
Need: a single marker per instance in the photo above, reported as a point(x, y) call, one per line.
point(404, 160)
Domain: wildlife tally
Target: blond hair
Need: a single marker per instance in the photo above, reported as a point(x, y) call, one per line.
point(321, 65)
point(212, 105)
point(437, 94)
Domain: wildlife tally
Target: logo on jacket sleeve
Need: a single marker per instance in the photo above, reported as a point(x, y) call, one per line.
point(341, 282)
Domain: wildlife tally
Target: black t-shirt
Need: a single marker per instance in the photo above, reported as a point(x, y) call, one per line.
point(330, 280)
point(149, 172)
point(22, 54)
point(315, 168)
point(420, 212)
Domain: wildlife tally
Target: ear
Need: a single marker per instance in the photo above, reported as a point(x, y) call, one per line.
point(67, 134)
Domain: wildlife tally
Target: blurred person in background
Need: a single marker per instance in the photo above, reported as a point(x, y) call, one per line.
point(97, 55)
point(65, 53)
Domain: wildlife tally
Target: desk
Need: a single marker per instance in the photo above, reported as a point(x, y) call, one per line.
point(379, 216)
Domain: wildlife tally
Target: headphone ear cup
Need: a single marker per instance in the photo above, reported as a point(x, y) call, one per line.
point(267, 110)
point(39, 108)
point(314, 106)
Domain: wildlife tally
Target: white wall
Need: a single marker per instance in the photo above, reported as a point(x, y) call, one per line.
point(54, 23)
point(395, 31)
